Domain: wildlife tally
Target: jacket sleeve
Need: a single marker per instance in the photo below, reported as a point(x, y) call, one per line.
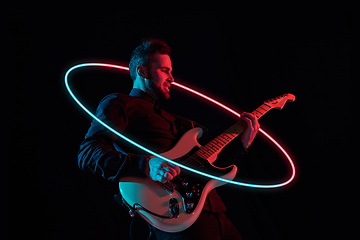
point(97, 153)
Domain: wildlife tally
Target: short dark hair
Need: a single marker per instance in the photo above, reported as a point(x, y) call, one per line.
point(143, 53)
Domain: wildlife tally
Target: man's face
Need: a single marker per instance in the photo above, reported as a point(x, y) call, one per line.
point(160, 78)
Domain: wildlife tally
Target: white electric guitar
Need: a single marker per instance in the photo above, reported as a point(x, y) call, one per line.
point(175, 205)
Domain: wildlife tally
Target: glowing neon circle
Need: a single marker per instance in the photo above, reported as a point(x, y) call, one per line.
point(159, 156)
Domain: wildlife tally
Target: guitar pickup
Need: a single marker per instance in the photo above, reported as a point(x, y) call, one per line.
point(169, 187)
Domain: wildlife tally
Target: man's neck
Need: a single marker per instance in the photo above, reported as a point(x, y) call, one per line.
point(144, 89)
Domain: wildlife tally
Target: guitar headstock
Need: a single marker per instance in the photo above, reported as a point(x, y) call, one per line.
point(279, 102)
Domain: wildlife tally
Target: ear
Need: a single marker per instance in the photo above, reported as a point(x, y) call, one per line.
point(142, 71)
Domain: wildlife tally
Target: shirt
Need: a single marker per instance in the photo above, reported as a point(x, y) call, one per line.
point(138, 117)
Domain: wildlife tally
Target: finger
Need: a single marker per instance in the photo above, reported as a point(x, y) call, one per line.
point(247, 121)
point(177, 169)
point(249, 116)
point(167, 176)
point(163, 179)
point(257, 125)
point(159, 177)
point(172, 169)
point(254, 121)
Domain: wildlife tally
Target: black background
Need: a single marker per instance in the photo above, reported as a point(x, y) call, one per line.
point(238, 59)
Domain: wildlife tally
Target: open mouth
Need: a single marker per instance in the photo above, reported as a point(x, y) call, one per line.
point(167, 88)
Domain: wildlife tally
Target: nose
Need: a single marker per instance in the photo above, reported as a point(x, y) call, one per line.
point(171, 79)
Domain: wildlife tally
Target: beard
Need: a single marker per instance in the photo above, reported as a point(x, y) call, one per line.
point(159, 93)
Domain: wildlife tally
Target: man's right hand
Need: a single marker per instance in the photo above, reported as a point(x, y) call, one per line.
point(161, 170)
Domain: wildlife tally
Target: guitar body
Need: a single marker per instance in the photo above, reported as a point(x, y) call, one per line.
point(175, 206)
point(188, 193)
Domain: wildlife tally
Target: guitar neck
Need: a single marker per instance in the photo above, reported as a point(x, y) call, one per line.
point(218, 143)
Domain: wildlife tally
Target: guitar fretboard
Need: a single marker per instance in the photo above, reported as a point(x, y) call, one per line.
point(260, 111)
point(217, 144)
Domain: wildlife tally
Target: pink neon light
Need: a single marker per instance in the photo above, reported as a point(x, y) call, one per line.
point(207, 98)
point(109, 65)
point(238, 115)
point(220, 105)
point(284, 152)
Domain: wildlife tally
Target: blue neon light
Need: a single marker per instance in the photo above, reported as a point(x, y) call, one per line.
point(156, 154)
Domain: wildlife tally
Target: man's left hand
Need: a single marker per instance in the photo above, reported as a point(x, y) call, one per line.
point(252, 127)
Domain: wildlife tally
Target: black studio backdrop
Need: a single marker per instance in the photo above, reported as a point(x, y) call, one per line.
point(240, 60)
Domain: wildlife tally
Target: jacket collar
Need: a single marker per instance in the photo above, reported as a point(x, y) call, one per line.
point(135, 92)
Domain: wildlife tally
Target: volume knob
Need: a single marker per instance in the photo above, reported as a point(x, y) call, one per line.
point(190, 205)
point(189, 194)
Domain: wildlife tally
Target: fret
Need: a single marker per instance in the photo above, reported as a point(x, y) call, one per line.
point(221, 140)
point(217, 144)
point(257, 113)
point(265, 107)
point(260, 111)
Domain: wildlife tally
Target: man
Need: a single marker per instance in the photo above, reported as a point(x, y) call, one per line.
point(139, 117)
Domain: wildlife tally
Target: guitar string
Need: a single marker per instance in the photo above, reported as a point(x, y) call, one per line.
point(202, 153)
point(198, 159)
